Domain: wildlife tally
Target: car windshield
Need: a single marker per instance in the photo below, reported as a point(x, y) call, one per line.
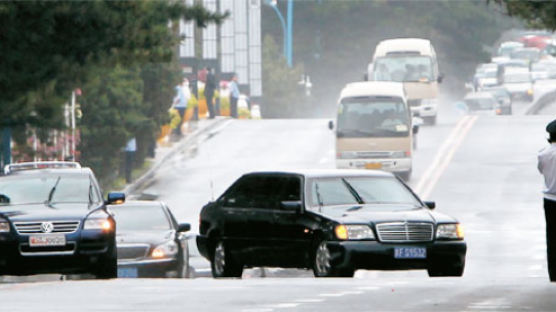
point(403, 69)
point(517, 78)
point(353, 191)
point(140, 218)
point(530, 55)
point(373, 117)
point(489, 74)
point(479, 104)
point(38, 189)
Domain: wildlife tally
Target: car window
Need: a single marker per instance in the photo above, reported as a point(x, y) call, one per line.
point(261, 192)
point(140, 218)
point(329, 192)
point(36, 189)
point(382, 191)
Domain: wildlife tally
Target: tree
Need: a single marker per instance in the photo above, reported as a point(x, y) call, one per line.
point(49, 47)
point(282, 97)
point(538, 14)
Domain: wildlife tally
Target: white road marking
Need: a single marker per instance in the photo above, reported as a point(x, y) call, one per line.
point(332, 295)
point(536, 267)
point(309, 300)
point(369, 288)
point(448, 158)
point(284, 305)
point(440, 154)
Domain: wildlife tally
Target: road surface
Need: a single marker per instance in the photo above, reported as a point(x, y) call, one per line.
point(482, 170)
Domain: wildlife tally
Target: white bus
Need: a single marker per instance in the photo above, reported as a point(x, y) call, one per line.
point(413, 62)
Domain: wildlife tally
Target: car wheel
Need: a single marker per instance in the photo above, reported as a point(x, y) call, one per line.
point(322, 266)
point(108, 267)
point(452, 270)
point(222, 264)
point(430, 120)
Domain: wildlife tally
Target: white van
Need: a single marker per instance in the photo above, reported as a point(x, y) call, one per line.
point(413, 62)
point(374, 128)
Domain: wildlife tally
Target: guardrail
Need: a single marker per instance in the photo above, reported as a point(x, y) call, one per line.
point(547, 98)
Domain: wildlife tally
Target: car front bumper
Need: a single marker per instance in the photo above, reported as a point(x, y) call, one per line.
point(374, 255)
point(150, 267)
point(396, 165)
point(83, 252)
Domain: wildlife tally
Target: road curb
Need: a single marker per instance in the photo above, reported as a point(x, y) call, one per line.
point(188, 140)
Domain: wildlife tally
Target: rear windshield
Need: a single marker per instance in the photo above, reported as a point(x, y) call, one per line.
point(140, 218)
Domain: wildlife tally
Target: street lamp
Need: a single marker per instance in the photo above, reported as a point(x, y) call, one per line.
point(287, 29)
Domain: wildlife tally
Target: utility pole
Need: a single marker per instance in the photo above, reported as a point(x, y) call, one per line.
point(72, 112)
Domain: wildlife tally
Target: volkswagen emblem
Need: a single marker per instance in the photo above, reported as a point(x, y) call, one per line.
point(47, 227)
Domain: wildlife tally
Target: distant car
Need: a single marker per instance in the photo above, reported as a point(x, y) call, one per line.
point(488, 78)
point(542, 70)
point(503, 98)
point(519, 84)
point(333, 221)
point(506, 48)
point(480, 103)
point(53, 220)
point(529, 54)
point(150, 241)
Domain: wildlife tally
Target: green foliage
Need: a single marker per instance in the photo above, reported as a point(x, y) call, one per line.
point(281, 92)
point(538, 14)
point(112, 113)
point(335, 40)
point(50, 46)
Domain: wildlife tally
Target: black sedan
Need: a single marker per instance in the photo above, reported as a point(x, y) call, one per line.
point(54, 220)
point(333, 222)
point(150, 241)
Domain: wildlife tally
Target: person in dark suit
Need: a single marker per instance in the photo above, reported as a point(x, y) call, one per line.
point(210, 86)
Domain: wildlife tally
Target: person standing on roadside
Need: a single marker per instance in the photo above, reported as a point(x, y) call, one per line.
point(234, 96)
point(180, 101)
point(130, 149)
point(210, 86)
point(547, 167)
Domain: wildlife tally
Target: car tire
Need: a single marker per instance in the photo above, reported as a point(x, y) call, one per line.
point(451, 270)
point(222, 264)
point(108, 266)
point(322, 267)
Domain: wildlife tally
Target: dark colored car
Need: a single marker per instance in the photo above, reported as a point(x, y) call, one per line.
point(504, 99)
point(53, 220)
point(150, 241)
point(334, 222)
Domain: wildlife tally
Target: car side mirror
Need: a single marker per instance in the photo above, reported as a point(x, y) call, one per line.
point(115, 198)
point(331, 125)
point(430, 204)
point(291, 205)
point(184, 227)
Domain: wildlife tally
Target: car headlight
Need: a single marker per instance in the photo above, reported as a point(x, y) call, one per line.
point(98, 221)
point(4, 226)
point(530, 91)
point(353, 232)
point(165, 250)
point(449, 231)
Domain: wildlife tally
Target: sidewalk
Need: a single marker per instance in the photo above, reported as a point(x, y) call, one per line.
point(167, 148)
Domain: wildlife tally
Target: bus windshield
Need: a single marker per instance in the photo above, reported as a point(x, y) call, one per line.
point(373, 117)
point(403, 69)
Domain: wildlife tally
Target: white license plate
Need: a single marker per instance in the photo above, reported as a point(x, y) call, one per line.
point(47, 240)
point(410, 253)
point(128, 272)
